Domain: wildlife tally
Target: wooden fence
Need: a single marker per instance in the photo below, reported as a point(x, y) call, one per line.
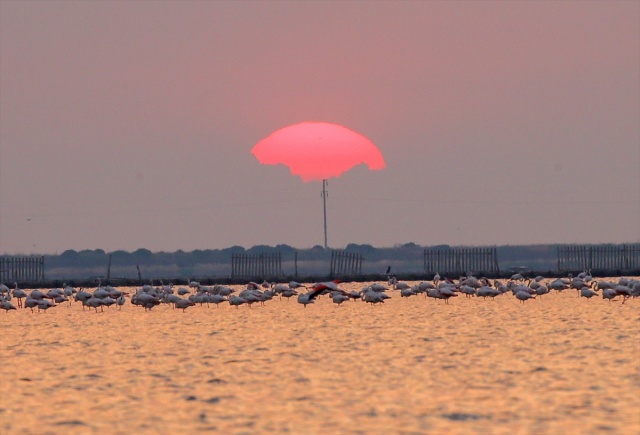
point(602, 258)
point(256, 266)
point(345, 263)
point(460, 261)
point(21, 269)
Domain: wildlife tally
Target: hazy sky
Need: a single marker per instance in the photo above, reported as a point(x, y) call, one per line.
point(127, 125)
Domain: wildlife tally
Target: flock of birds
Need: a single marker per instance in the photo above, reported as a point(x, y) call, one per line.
point(149, 296)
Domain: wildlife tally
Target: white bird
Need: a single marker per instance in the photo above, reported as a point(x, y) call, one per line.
point(374, 297)
point(339, 297)
point(436, 278)
point(307, 298)
point(19, 294)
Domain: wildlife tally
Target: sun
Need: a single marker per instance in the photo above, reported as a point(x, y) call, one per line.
point(318, 150)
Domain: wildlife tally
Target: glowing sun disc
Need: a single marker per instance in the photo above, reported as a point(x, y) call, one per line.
point(318, 150)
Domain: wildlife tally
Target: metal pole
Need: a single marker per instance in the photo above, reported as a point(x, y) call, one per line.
point(324, 208)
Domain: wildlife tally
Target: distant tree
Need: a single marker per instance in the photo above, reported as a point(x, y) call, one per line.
point(410, 245)
point(70, 254)
point(67, 258)
point(261, 249)
point(285, 249)
point(121, 257)
point(233, 250)
point(360, 249)
point(142, 256)
point(200, 256)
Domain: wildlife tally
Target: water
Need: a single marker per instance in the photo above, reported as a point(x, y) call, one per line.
point(558, 365)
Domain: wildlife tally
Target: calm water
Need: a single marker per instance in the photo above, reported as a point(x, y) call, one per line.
point(560, 364)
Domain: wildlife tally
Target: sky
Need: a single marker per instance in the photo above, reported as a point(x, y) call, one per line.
point(127, 125)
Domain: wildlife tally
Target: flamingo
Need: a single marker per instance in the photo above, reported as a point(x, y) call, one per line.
point(94, 302)
point(294, 285)
point(120, 301)
point(236, 300)
point(541, 290)
point(408, 291)
point(376, 287)
point(30, 303)
point(447, 292)
point(468, 290)
point(288, 293)
point(308, 298)
point(523, 295)
point(401, 286)
point(586, 292)
point(45, 304)
point(6, 306)
point(487, 291)
point(19, 294)
point(609, 293)
point(338, 297)
point(184, 304)
point(374, 297)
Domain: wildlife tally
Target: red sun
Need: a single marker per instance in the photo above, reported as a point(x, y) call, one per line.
point(318, 150)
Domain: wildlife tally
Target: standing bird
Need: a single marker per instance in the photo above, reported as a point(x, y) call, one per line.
point(236, 300)
point(523, 295)
point(184, 304)
point(120, 301)
point(6, 306)
point(30, 303)
point(609, 293)
point(294, 285)
point(586, 292)
point(45, 304)
point(19, 294)
point(307, 298)
point(338, 297)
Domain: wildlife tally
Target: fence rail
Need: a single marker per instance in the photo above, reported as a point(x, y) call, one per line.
point(461, 261)
point(22, 269)
point(253, 266)
point(345, 263)
point(619, 257)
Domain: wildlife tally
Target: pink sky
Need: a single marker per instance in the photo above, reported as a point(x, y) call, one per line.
point(127, 125)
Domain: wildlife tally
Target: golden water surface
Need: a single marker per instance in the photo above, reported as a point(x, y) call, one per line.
point(559, 364)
